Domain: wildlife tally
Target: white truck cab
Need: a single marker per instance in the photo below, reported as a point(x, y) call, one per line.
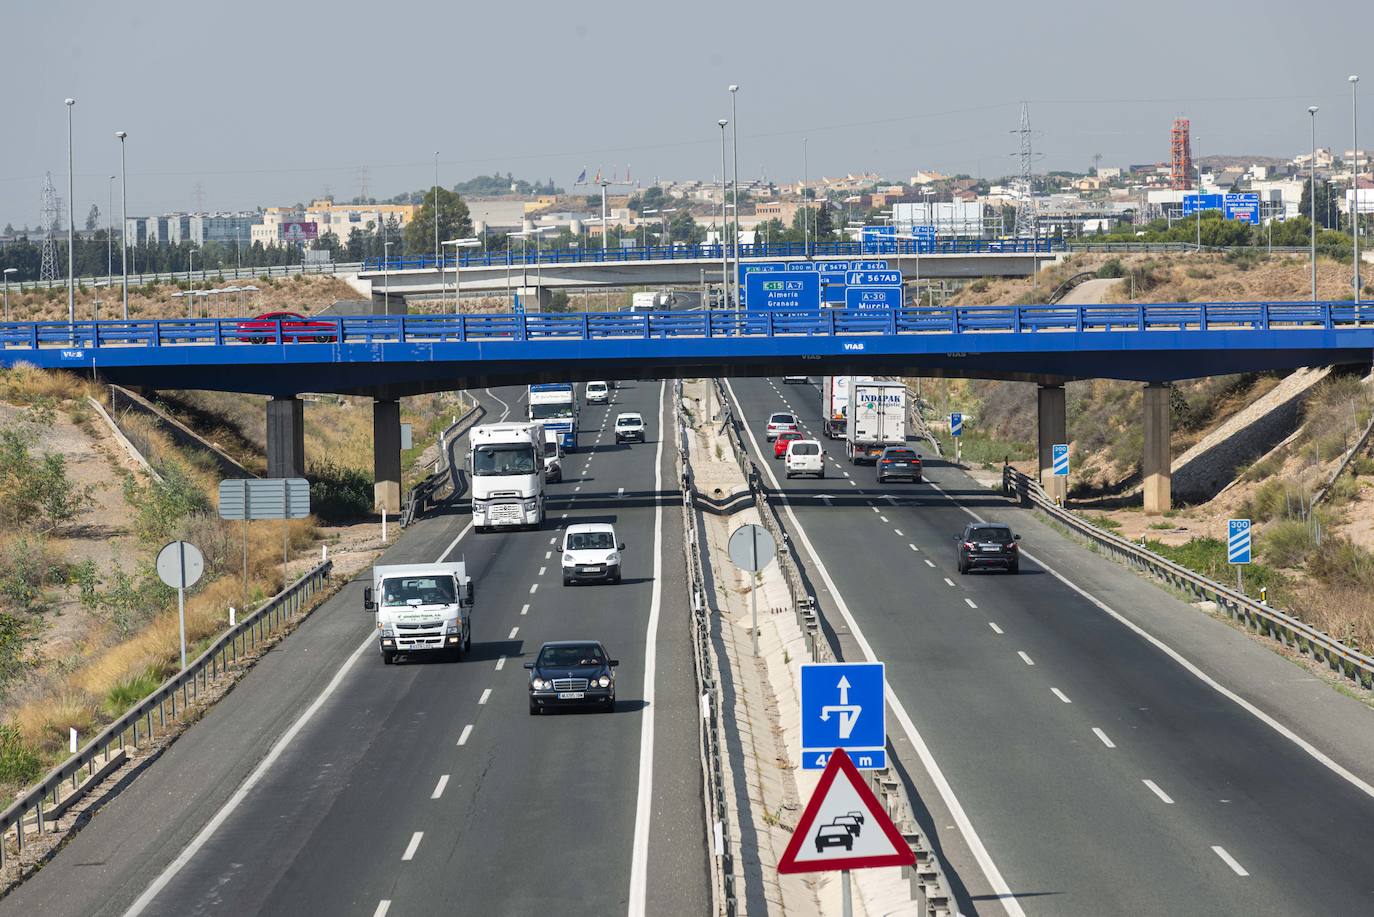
point(507, 467)
point(421, 608)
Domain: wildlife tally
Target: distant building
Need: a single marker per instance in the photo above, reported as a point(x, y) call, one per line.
point(195, 228)
point(785, 211)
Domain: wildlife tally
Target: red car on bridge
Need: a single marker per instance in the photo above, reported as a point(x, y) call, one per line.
point(295, 329)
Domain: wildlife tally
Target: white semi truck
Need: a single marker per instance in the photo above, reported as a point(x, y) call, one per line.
point(554, 404)
point(507, 468)
point(876, 419)
point(421, 609)
point(835, 403)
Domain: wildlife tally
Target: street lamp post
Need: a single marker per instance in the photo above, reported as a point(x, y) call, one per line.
point(806, 209)
point(724, 215)
point(8, 272)
point(437, 254)
point(386, 277)
point(1355, 183)
point(109, 241)
point(190, 265)
point(1312, 198)
point(734, 183)
point(71, 223)
point(124, 220)
point(1199, 207)
point(469, 242)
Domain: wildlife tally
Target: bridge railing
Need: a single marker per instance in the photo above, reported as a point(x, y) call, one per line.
point(73, 339)
point(697, 252)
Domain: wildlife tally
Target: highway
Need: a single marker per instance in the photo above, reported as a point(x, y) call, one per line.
point(427, 787)
point(1100, 775)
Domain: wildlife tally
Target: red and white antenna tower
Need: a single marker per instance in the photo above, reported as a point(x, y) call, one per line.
point(1180, 156)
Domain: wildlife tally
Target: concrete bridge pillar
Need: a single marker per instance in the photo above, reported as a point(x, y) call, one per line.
point(535, 299)
point(386, 455)
point(1155, 466)
point(1052, 427)
point(285, 437)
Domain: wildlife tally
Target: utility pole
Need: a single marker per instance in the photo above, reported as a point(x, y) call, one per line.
point(71, 223)
point(1312, 198)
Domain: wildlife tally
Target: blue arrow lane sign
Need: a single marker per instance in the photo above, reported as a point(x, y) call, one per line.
point(1238, 541)
point(842, 707)
point(1060, 453)
point(956, 424)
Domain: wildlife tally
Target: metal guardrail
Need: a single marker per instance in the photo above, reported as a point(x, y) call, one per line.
point(711, 741)
point(64, 784)
point(1074, 245)
point(689, 252)
point(1325, 490)
point(206, 275)
point(1063, 289)
point(1256, 616)
point(75, 338)
point(422, 496)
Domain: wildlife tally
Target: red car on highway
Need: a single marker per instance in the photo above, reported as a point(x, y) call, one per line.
point(295, 329)
point(780, 444)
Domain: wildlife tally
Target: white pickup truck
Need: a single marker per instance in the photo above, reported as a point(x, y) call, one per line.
point(421, 608)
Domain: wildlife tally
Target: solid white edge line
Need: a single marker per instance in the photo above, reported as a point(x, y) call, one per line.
point(1316, 753)
point(1154, 788)
point(1230, 861)
point(506, 412)
point(244, 788)
point(463, 736)
point(413, 846)
point(1103, 736)
point(232, 803)
point(956, 810)
point(439, 787)
point(1061, 695)
point(639, 859)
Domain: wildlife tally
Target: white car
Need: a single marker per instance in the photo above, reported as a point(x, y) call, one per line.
point(598, 393)
point(553, 457)
point(591, 553)
point(778, 422)
point(804, 456)
point(799, 380)
point(629, 427)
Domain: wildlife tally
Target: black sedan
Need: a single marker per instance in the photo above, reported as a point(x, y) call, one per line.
point(572, 673)
point(898, 462)
point(988, 546)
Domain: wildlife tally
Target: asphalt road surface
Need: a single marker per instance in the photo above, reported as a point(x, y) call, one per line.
point(426, 787)
point(1101, 776)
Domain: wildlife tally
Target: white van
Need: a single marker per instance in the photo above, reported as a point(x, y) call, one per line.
point(597, 393)
point(804, 456)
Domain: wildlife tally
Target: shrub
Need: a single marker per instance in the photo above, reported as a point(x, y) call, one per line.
point(1338, 561)
point(162, 505)
point(1111, 269)
point(129, 692)
point(979, 286)
point(19, 762)
point(338, 493)
point(1286, 543)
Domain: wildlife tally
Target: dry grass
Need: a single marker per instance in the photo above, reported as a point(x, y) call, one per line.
point(1193, 277)
point(298, 294)
point(25, 384)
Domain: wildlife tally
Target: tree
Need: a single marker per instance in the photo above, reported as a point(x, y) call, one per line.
point(93, 218)
point(825, 224)
point(454, 222)
point(1327, 216)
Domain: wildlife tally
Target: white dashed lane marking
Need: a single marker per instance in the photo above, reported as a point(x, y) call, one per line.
point(513, 632)
point(948, 581)
point(1024, 658)
point(1103, 736)
point(970, 604)
point(928, 561)
point(382, 907)
point(1061, 695)
point(463, 736)
point(500, 663)
point(1154, 788)
point(439, 789)
point(486, 695)
point(995, 628)
point(413, 846)
point(1230, 861)
point(525, 609)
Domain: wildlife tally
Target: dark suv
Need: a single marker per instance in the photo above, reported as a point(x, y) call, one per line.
point(988, 545)
point(898, 462)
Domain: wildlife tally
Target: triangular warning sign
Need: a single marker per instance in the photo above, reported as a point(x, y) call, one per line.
point(844, 826)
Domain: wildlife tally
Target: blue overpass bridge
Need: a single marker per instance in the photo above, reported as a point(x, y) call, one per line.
point(540, 272)
point(387, 357)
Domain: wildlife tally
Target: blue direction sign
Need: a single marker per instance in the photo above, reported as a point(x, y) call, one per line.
point(842, 707)
point(956, 424)
point(1060, 454)
point(783, 290)
point(925, 233)
point(833, 267)
point(872, 297)
point(1243, 206)
point(833, 287)
point(868, 265)
point(884, 278)
point(879, 239)
point(802, 266)
point(1238, 541)
point(1192, 203)
point(746, 269)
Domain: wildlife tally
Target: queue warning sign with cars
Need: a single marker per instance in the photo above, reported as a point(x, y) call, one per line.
point(844, 826)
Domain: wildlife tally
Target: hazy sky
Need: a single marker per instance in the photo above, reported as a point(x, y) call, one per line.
point(270, 103)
